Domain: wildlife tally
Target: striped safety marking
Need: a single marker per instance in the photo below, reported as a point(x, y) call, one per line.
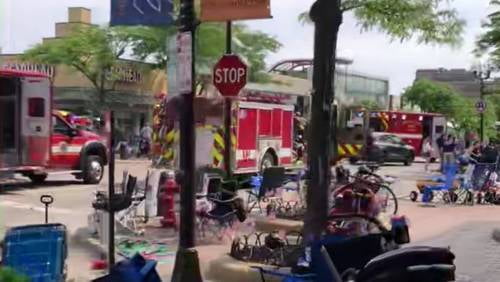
point(349, 149)
point(385, 120)
point(63, 149)
point(171, 137)
point(218, 147)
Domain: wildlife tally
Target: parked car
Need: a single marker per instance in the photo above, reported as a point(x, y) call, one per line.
point(390, 148)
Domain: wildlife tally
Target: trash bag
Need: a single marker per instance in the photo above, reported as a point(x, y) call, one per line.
point(136, 269)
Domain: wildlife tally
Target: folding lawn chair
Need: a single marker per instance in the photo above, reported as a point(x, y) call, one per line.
point(272, 178)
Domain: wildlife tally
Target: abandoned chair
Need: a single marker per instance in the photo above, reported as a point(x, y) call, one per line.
point(264, 188)
point(219, 209)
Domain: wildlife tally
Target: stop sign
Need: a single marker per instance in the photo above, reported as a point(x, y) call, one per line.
point(230, 75)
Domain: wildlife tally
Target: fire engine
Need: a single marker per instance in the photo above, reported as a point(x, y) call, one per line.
point(36, 140)
point(411, 127)
point(266, 127)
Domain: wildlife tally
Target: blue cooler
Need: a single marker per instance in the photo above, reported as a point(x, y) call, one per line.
point(38, 251)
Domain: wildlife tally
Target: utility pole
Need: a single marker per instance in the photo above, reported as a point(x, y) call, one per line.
point(482, 76)
point(327, 17)
point(187, 266)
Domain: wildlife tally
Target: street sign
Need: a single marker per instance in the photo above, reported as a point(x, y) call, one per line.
point(230, 75)
point(229, 10)
point(142, 12)
point(184, 63)
point(172, 87)
point(481, 106)
point(179, 55)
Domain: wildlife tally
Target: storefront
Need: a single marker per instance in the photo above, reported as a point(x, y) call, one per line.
point(131, 97)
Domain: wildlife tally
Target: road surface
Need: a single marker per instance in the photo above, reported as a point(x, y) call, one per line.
point(467, 230)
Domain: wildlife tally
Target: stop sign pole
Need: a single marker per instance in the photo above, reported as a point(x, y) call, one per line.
point(227, 109)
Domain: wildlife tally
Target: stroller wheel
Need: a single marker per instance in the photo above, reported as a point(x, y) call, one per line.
point(413, 196)
point(489, 197)
point(447, 197)
point(479, 199)
point(453, 197)
point(469, 198)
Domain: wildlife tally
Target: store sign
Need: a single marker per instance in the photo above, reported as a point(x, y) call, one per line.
point(126, 74)
point(142, 12)
point(229, 10)
point(29, 67)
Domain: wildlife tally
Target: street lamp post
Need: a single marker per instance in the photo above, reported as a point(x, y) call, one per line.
point(482, 76)
point(187, 268)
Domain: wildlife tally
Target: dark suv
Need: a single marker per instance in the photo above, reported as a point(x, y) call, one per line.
point(390, 148)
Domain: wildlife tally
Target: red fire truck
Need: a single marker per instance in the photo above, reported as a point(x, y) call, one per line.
point(266, 127)
point(35, 140)
point(411, 127)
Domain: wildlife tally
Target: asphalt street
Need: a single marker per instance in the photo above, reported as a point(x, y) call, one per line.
point(467, 230)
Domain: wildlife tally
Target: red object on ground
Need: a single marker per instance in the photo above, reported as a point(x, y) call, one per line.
point(99, 264)
point(167, 202)
point(230, 75)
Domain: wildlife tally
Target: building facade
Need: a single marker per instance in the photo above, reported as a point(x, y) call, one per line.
point(462, 80)
point(351, 87)
point(132, 98)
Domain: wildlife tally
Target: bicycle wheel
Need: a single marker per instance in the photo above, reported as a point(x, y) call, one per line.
point(387, 199)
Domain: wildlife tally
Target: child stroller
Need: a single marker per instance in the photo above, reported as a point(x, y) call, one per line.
point(483, 181)
point(446, 188)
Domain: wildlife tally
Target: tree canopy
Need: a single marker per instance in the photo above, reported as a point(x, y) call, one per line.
point(488, 43)
point(93, 51)
point(428, 21)
point(252, 46)
point(440, 98)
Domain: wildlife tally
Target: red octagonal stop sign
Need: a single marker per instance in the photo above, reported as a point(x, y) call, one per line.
point(230, 75)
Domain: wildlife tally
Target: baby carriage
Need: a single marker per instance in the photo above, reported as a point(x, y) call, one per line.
point(448, 188)
point(483, 180)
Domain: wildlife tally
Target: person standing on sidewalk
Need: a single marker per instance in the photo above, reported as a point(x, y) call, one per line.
point(427, 152)
point(449, 147)
point(440, 145)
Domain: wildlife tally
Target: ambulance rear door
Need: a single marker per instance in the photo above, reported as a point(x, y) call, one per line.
point(36, 104)
point(9, 122)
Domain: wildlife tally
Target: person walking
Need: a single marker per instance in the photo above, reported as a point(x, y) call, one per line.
point(449, 147)
point(427, 152)
point(440, 145)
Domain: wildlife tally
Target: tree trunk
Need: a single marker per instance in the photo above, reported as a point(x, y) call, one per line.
point(327, 17)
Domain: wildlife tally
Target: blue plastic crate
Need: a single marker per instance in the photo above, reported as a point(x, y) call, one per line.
point(38, 251)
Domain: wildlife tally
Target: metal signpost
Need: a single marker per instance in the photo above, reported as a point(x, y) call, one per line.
point(481, 108)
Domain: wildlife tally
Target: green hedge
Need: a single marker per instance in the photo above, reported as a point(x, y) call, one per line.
point(7, 274)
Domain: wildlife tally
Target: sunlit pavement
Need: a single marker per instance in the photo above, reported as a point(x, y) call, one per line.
point(467, 230)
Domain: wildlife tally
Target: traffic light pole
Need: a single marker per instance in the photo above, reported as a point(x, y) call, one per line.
point(187, 266)
point(327, 17)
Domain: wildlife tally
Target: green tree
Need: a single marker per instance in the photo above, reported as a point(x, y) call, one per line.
point(90, 50)
point(440, 98)
point(428, 21)
point(370, 105)
point(252, 46)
